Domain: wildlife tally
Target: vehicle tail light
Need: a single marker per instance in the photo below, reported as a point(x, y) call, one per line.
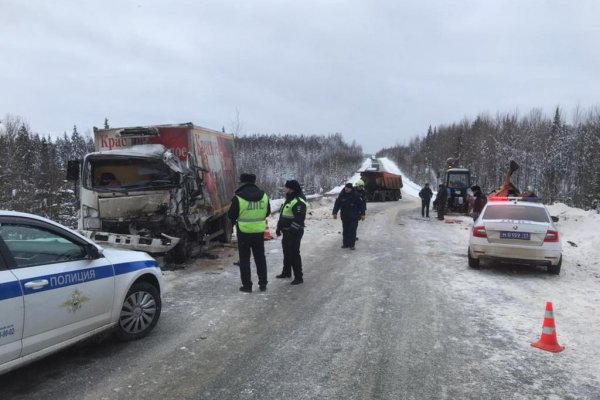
point(551, 236)
point(479, 231)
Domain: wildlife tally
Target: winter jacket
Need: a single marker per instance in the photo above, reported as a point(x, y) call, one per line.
point(249, 192)
point(442, 196)
point(295, 224)
point(426, 194)
point(350, 205)
point(363, 196)
point(479, 203)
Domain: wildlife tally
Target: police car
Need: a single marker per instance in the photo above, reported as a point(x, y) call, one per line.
point(516, 230)
point(57, 288)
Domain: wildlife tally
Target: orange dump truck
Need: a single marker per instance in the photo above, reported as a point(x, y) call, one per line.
point(382, 186)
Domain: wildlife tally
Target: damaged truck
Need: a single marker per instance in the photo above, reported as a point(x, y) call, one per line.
point(162, 189)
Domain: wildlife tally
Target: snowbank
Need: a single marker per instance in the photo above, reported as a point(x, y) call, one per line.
point(385, 164)
point(366, 164)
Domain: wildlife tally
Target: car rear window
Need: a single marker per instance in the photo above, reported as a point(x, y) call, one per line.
point(516, 212)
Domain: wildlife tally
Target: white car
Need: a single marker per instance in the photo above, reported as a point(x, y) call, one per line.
point(517, 231)
point(57, 288)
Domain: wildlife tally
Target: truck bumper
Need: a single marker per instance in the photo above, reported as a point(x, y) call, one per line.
point(133, 242)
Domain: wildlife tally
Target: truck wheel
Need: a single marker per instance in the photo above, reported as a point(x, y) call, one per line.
point(555, 269)
point(473, 262)
point(183, 250)
point(139, 313)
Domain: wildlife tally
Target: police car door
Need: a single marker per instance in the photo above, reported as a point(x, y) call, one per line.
point(66, 293)
point(11, 314)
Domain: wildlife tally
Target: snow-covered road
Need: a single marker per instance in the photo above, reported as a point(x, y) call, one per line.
point(400, 317)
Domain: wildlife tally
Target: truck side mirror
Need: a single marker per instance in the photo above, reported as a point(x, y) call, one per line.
point(554, 219)
point(73, 170)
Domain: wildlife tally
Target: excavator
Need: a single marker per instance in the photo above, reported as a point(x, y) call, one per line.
point(508, 189)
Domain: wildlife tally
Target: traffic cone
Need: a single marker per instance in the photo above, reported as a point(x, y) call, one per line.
point(268, 235)
point(548, 341)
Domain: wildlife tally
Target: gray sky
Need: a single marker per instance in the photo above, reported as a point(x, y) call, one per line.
point(379, 72)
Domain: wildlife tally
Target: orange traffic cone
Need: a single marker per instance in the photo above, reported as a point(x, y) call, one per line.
point(549, 341)
point(268, 235)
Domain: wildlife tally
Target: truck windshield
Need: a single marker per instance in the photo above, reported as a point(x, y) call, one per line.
point(120, 174)
point(460, 181)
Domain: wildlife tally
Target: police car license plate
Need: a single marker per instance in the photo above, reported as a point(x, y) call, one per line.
point(515, 235)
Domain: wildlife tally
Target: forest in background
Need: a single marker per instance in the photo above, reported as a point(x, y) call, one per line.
point(559, 161)
point(319, 163)
point(33, 166)
point(33, 170)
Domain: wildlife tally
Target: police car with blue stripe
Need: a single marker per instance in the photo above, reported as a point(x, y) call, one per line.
point(58, 287)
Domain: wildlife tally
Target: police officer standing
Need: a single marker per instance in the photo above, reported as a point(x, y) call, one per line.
point(291, 224)
point(249, 209)
point(352, 209)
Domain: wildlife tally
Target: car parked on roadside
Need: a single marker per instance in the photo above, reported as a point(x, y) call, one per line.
point(58, 287)
point(517, 231)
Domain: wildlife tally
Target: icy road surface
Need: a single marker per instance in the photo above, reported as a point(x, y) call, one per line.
point(401, 317)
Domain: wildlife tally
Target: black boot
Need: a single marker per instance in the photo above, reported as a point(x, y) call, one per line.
point(246, 289)
point(282, 275)
point(297, 281)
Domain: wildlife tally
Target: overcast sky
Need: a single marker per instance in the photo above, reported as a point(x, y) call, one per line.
point(379, 72)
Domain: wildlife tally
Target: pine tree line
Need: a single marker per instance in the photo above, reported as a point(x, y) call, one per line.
point(559, 161)
point(33, 170)
point(319, 163)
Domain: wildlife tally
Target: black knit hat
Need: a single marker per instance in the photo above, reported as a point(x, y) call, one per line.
point(349, 185)
point(293, 184)
point(247, 178)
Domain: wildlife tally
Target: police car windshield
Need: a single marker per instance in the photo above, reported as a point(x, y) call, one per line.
point(515, 213)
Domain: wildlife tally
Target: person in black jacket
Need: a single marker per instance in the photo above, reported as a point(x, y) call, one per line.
point(352, 209)
point(479, 203)
point(440, 201)
point(248, 210)
point(425, 194)
point(291, 224)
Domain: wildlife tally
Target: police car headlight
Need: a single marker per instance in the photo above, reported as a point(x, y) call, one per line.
point(90, 212)
point(91, 223)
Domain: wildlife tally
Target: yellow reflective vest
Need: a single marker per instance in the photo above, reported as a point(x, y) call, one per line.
point(252, 215)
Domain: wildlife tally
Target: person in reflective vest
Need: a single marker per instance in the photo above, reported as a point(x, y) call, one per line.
point(291, 224)
point(248, 210)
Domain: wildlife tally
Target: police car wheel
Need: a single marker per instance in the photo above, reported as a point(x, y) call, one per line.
point(473, 262)
point(140, 311)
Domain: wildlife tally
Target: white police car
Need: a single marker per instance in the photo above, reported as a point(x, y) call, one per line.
point(57, 288)
point(512, 229)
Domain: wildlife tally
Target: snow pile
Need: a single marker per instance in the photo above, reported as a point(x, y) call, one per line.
point(408, 187)
point(580, 235)
point(366, 164)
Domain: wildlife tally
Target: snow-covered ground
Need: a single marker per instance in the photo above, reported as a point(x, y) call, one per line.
point(515, 298)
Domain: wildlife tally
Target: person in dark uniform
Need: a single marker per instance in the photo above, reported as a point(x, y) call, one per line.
point(291, 224)
point(440, 201)
point(479, 203)
point(425, 194)
point(248, 211)
point(352, 209)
